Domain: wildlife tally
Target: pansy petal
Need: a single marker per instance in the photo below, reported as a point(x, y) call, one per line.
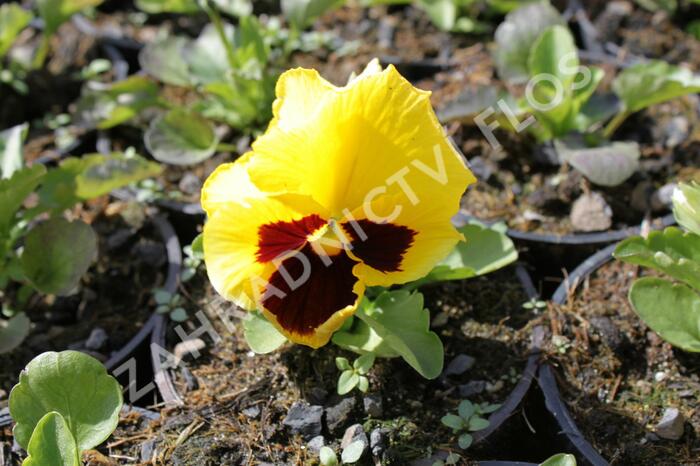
point(300, 93)
point(308, 300)
point(228, 183)
point(378, 135)
point(398, 244)
point(240, 244)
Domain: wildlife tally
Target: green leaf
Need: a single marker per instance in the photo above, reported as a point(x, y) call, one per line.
point(562, 459)
point(484, 251)
point(353, 452)
point(164, 60)
point(178, 315)
point(343, 364)
point(398, 317)
point(360, 338)
point(238, 8)
point(13, 18)
point(515, 36)
point(301, 13)
point(56, 12)
point(52, 443)
point(478, 423)
point(57, 253)
point(466, 409)
point(465, 441)
point(363, 384)
point(654, 82)
point(72, 384)
point(15, 190)
point(203, 56)
point(364, 363)
point(107, 105)
point(670, 251)
point(198, 246)
point(686, 206)
point(11, 140)
point(327, 457)
point(91, 176)
point(347, 381)
point(181, 137)
point(607, 165)
point(260, 334)
point(13, 332)
point(453, 421)
point(168, 6)
point(442, 13)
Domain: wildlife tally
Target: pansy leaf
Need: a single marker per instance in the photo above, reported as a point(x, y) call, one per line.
point(343, 364)
point(168, 6)
point(181, 137)
point(203, 56)
point(399, 318)
point(363, 384)
point(466, 409)
point(56, 12)
point(686, 206)
point(484, 251)
point(442, 13)
point(11, 158)
point(364, 363)
point(13, 332)
point(654, 82)
point(347, 381)
point(515, 36)
point(91, 176)
point(327, 457)
point(361, 338)
point(353, 452)
point(238, 8)
point(671, 310)
point(164, 60)
point(608, 165)
point(260, 334)
point(13, 18)
point(72, 384)
point(562, 459)
point(52, 443)
point(670, 251)
point(107, 105)
point(478, 423)
point(57, 253)
point(15, 190)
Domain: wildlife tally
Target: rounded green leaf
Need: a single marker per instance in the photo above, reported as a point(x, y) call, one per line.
point(466, 409)
point(347, 381)
point(671, 310)
point(74, 385)
point(52, 443)
point(164, 60)
point(453, 421)
point(363, 384)
point(178, 315)
point(11, 140)
point(686, 206)
point(56, 12)
point(57, 253)
point(342, 364)
point(13, 18)
point(364, 363)
point(353, 452)
point(562, 459)
point(478, 423)
point(181, 137)
point(260, 334)
point(465, 441)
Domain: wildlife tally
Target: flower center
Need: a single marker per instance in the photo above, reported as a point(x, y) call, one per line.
point(329, 240)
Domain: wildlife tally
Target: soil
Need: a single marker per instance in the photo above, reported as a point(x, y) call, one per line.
point(113, 296)
point(482, 318)
point(618, 376)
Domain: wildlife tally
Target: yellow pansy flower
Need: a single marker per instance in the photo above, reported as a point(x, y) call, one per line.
point(349, 187)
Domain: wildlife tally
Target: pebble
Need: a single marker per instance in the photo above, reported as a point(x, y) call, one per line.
point(676, 131)
point(352, 434)
point(97, 339)
point(590, 212)
point(460, 364)
point(304, 419)
point(472, 388)
point(316, 443)
point(190, 183)
point(671, 425)
point(147, 449)
point(251, 412)
point(373, 404)
point(662, 197)
point(338, 413)
point(377, 441)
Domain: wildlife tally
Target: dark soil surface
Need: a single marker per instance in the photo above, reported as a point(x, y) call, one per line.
point(618, 376)
point(238, 400)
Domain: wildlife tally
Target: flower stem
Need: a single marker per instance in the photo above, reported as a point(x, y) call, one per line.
point(215, 18)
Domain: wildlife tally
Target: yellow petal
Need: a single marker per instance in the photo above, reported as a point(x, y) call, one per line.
point(229, 183)
point(343, 146)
